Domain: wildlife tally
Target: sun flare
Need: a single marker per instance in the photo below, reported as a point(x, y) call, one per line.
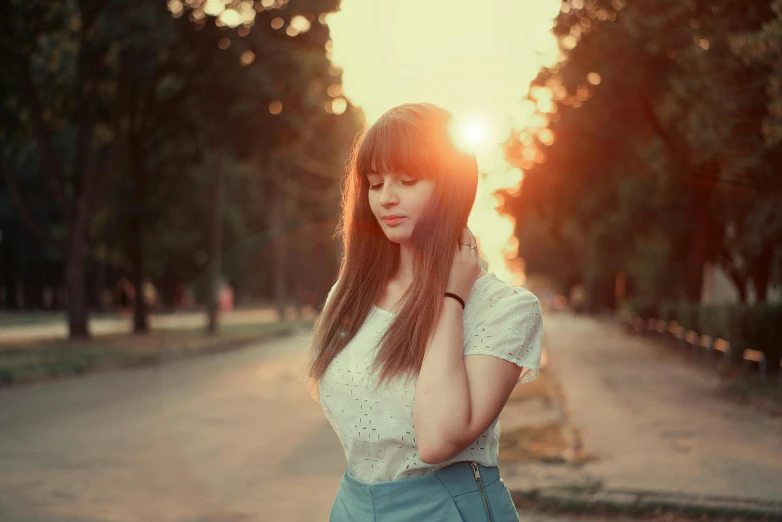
point(470, 135)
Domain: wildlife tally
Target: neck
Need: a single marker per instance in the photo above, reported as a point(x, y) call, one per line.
point(404, 272)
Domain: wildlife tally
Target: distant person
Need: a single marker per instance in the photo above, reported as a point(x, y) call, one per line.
point(150, 294)
point(417, 348)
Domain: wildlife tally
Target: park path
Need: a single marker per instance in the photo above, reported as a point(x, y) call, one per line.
point(655, 421)
point(234, 436)
point(228, 437)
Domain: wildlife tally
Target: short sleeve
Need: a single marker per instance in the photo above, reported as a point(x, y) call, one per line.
point(511, 329)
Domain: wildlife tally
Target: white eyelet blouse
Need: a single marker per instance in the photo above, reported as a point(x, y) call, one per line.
point(376, 429)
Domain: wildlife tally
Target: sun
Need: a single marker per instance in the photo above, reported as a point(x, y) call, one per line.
point(470, 134)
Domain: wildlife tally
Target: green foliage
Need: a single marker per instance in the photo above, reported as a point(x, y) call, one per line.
point(166, 94)
point(765, 46)
point(653, 269)
point(651, 159)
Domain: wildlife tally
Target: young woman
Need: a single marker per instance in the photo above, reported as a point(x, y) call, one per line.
point(417, 348)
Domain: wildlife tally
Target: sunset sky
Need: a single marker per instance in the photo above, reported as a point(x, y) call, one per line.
point(474, 58)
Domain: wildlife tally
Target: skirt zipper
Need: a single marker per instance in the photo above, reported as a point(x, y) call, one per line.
point(477, 474)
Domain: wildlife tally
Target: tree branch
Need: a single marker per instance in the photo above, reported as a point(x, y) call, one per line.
point(49, 160)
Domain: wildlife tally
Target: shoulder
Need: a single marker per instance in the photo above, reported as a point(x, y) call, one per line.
point(497, 304)
point(511, 307)
point(496, 293)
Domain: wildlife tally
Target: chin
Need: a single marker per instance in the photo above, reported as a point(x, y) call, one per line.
point(399, 239)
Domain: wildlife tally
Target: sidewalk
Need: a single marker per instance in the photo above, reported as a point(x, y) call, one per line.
point(644, 430)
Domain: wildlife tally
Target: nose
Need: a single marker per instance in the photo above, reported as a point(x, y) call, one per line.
point(388, 195)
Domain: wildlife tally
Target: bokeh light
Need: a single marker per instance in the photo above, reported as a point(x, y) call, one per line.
point(247, 57)
point(300, 24)
point(339, 105)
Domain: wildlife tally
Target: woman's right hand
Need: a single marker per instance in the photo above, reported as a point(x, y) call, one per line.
point(466, 267)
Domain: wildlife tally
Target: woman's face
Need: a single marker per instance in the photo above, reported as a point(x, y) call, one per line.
point(398, 194)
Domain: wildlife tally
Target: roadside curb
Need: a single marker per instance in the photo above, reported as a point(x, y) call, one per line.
point(627, 502)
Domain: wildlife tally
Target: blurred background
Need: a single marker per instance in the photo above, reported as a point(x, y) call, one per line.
point(170, 181)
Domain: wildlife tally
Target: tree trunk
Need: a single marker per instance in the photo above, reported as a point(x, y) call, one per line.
point(75, 284)
point(10, 272)
point(276, 220)
point(739, 282)
point(99, 283)
point(137, 226)
point(215, 244)
point(11, 297)
point(761, 274)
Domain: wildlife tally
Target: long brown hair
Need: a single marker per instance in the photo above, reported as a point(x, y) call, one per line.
point(414, 139)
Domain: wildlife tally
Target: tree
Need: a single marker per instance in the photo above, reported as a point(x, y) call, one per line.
point(632, 157)
point(765, 46)
point(138, 97)
point(57, 51)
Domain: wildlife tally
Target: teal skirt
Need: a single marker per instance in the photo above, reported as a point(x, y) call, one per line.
point(450, 494)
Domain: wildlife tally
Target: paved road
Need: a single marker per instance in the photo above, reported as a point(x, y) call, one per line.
point(657, 422)
point(228, 437)
point(235, 436)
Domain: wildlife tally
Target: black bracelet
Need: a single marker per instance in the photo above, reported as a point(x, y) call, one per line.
point(449, 294)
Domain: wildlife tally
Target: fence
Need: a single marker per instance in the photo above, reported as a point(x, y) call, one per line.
point(749, 336)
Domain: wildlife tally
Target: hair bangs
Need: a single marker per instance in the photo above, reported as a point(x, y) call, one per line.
point(397, 145)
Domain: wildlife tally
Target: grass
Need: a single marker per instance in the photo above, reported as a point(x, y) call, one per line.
point(29, 361)
point(41, 317)
point(546, 443)
point(27, 319)
point(553, 442)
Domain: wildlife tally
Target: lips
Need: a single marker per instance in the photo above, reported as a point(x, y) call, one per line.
point(390, 220)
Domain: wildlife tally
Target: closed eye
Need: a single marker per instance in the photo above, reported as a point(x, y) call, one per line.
point(408, 183)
